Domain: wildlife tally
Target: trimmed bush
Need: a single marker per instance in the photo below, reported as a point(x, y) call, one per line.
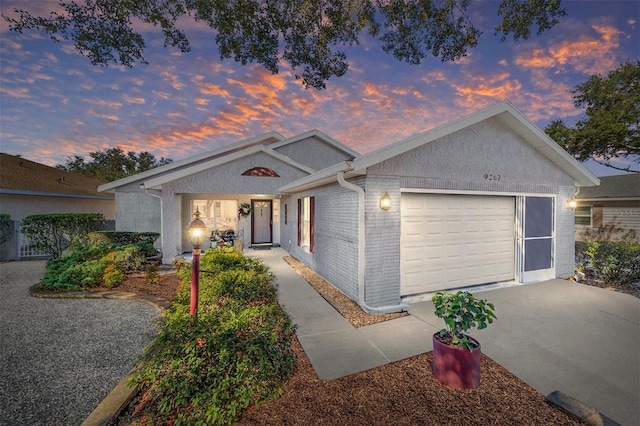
point(615, 262)
point(92, 266)
point(54, 233)
point(236, 353)
point(120, 238)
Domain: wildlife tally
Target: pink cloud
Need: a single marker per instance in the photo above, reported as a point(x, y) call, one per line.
point(213, 89)
point(133, 99)
point(18, 92)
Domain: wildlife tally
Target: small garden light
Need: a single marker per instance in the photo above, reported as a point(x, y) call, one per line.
point(197, 229)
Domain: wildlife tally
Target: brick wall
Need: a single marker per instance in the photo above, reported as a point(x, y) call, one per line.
point(565, 233)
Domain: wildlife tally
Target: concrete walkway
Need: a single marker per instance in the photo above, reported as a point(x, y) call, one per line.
point(555, 335)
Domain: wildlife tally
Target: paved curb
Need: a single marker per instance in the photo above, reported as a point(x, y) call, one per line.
point(122, 393)
point(579, 410)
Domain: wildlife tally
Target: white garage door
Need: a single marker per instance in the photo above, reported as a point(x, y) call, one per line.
point(450, 241)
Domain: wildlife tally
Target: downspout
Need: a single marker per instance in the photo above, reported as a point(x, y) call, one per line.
point(361, 255)
point(158, 194)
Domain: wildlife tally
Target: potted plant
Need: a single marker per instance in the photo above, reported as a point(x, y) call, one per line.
point(456, 355)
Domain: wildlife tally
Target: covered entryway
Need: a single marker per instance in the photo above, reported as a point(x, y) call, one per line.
point(450, 241)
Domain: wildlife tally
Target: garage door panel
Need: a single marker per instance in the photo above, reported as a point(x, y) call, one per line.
point(413, 228)
point(466, 240)
point(433, 253)
point(454, 251)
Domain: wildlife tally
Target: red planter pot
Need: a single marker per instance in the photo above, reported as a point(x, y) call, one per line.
point(456, 367)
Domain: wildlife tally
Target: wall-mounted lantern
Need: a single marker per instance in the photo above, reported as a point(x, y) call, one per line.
point(572, 204)
point(385, 201)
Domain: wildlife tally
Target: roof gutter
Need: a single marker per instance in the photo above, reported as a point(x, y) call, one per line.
point(361, 254)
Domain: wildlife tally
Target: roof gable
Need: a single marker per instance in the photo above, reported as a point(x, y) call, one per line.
point(505, 115)
point(319, 136)
point(508, 116)
point(156, 183)
point(264, 139)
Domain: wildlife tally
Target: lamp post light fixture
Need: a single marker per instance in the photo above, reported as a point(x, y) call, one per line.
point(197, 229)
point(385, 201)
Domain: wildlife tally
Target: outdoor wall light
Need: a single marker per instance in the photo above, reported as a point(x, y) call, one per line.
point(385, 201)
point(572, 204)
point(197, 229)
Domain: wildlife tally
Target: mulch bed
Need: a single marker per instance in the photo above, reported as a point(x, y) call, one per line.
point(399, 393)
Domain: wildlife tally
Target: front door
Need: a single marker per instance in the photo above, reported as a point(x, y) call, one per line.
point(261, 223)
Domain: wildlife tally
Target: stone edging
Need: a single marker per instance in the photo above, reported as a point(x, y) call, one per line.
point(579, 410)
point(122, 393)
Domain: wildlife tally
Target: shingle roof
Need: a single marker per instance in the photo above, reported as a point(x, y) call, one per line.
point(612, 187)
point(21, 176)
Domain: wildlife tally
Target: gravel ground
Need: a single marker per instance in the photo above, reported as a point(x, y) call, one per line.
point(60, 357)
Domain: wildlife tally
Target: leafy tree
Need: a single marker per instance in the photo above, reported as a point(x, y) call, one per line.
point(305, 34)
point(112, 164)
point(612, 127)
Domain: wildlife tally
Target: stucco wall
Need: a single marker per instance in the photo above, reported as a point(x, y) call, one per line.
point(313, 153)
point(137, 212)
point(21, 206)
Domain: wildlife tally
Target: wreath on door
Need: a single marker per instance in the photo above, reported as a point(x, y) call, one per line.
point(244, 210)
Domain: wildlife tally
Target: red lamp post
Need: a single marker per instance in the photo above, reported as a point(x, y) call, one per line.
point(196, 231)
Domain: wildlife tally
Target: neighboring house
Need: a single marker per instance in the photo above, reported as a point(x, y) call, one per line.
point(482, 199)
point(28, 188)
point(610, 210)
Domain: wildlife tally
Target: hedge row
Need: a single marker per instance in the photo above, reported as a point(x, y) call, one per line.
point(235, 353)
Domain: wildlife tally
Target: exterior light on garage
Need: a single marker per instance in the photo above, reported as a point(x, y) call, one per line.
point(197, 229)
point(571, 204)
point(385, 201)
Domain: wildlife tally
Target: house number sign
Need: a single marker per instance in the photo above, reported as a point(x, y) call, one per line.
point(491, 176)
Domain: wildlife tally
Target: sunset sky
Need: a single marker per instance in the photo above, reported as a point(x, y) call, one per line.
point(55, 104)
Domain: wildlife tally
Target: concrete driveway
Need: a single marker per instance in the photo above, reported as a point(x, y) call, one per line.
point(60, 357)
point(560, 335)
point(555, 335)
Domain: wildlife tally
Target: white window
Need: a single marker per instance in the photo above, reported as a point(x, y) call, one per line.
point(217, 214)
point(583, 215)
point(306, 227)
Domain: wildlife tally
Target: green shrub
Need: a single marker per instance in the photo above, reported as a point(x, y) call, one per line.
point(615, 262)
point(92, 266)
point(66, 273)
point(152, 276)
point(122, 237)
point(128, 258)
point(236, 353)
point(113, 276)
